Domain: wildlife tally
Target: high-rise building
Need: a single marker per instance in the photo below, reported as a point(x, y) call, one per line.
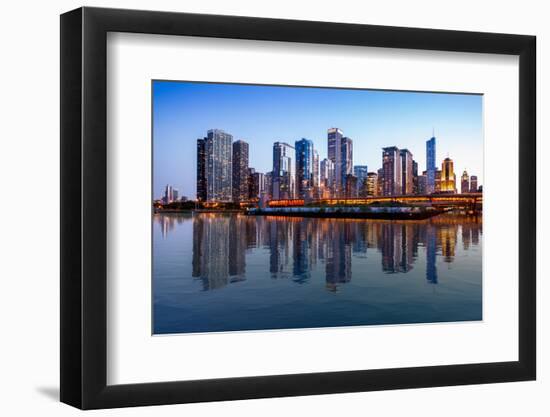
point(168, 194)
point(326, 178)
point(391, 164)
point(421, 184)
point(304, 166)
point(334, 153)
point(283, 174)
point(351, 186)
point(430, 165)
point(465, 183)
point(448, 177)
point(437, 187)
point(406, 171)
point(346, 159)
point(219, 166)
point(315, 168)
point(473, 184)
point(268, 185)
point(175, 194)
point(415, 177)
point(240, 182)
point(380, 182)
point(361, 172)
point(201, 169)
point(257, 184)
point(371, 186)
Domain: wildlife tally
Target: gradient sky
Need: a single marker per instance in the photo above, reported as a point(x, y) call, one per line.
point(261, 115)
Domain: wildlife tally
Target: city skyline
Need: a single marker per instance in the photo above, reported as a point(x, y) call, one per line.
point(176, 161)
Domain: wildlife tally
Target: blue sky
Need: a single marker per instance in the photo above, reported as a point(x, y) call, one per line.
point(261, 115)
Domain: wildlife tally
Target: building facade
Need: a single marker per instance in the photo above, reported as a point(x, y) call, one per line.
point(371, 185)
point(304, 166)
point(334, 153)
point(406, 172)
point(448, 177)
point(430, 165)
point(465, 183)
point(219, 166)
point(283, 174)
point(346, 159)
point(361, 172)
point(240, 176)
point(201, 169)
point(391, 165)
point(473, 184)
point(326, 178)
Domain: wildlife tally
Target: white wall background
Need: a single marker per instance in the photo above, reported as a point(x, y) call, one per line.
point(29, 235)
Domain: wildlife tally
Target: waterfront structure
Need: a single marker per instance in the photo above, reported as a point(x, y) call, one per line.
point(315, 169)
point(283, 174)
point(421, 181)
point(361, 172)
point(257, 184)
point(351, 182)
point(473, 184)
point(219, 166)
point(304, 166)
point(430, 165)
point(371, 184)
point(334, 136)
point(201, 169)
point(448, 177)
point(391, 165)
point(465, 183)
point(240, 176)
point(347, 159)
point(380, 182)
point(268, 185)
point(415, 176)
point(168, 194)
point(326, 178)
point(406, 172)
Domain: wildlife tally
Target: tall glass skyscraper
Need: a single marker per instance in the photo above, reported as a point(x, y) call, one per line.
point(219, 165)
point(201, 169)
point(448, 177)
point(240, 176)
point(406, 171)
point(391, 166)
point(334, 153)
point(304, 166)
point(430, 165)
point(346, 159)
point(283, 175)
point(361, 172)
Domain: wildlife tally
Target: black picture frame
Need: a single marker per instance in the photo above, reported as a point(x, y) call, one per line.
point(84, 207)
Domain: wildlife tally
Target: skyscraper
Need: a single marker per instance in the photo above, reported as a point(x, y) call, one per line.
point(473, 184)
point(465, 183)
point(391, 164)
point(168, 194)
point(361, 172)
point(240, 171)
point(406, 171)
point(304, 166)
point(380, 182)
point(430, 165)
point(283, 175)
point(334, 153)
point(346, 159)
point(315, 170)
point(415, 177)
point(372, 179)
point(326, 177)
point(201, 169)
point(448, 177)
point(218, 166)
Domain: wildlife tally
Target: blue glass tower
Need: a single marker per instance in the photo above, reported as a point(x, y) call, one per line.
point(430, 165)
point(304, 166)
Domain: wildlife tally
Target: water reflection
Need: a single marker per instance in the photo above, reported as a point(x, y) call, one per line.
point(296, 246)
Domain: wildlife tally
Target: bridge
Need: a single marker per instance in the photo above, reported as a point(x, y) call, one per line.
point(469, 201)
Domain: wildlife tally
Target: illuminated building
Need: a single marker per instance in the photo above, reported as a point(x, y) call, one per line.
point(268, 185)
point(346, 159)
point(437, 187)
point(257, 184)
point(201, 169)
point(372, 186)
point(304, 166)
point(361, 172)
point(421, 181)
point(240, 176)
point(334, 146)
point(391, 164)
point(218, 166)
point(465, 183)
point(415, 177)
point(326, 177)
point(315, 169)
point(283, 174)
point(448, 177)
point(380, 182)
point(168, 194)
point(351, 186)
point(473, 184)
point(406, 172)
point(430, 165)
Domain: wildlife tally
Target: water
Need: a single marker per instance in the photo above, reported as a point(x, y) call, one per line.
point(227, 272)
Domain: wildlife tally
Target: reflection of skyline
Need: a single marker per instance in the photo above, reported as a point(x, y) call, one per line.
point(297, 245)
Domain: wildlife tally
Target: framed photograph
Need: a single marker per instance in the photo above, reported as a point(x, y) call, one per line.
point(257, 208)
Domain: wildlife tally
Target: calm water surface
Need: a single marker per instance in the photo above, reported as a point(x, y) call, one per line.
point(225, 272)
